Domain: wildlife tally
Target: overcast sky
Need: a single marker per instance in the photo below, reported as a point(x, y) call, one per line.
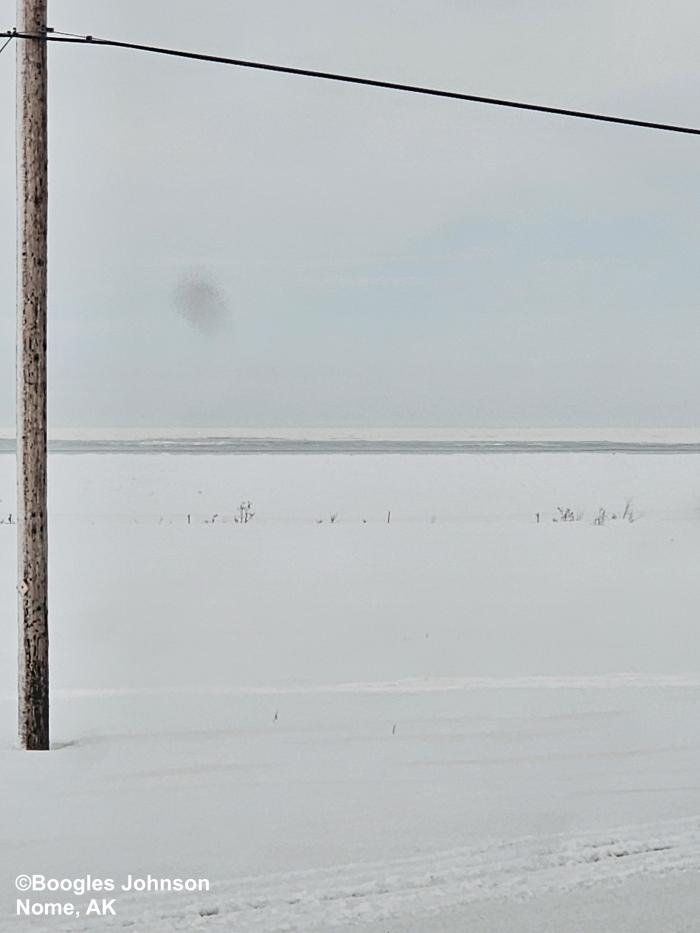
point(236, 248)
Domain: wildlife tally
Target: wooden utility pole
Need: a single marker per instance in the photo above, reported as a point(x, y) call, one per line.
point(32, 204)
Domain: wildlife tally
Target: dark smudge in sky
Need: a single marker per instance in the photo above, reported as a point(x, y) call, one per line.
point(201, 303)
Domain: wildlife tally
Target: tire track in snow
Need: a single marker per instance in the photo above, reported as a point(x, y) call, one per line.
point(324, 898)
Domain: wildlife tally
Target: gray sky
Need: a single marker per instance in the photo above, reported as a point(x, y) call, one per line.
point(237, 248)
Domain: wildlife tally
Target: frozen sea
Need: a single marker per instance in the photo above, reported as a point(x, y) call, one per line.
point(369, 441)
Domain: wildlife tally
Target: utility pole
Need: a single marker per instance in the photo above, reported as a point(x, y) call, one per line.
point(32, 209)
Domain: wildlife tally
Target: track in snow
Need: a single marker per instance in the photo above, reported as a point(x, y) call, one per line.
point(420, 885)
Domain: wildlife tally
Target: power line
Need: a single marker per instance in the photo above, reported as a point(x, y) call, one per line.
point(51, 36)
point(5, 44)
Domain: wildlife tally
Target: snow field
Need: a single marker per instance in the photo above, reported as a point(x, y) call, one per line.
point(349, 724)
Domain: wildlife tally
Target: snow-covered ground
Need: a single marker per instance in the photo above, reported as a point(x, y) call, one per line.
point(461, 719)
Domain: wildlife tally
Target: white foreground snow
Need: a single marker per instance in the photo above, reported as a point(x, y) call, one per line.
point(461, 720)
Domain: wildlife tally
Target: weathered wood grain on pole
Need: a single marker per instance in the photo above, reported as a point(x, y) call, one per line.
point(32, 203)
